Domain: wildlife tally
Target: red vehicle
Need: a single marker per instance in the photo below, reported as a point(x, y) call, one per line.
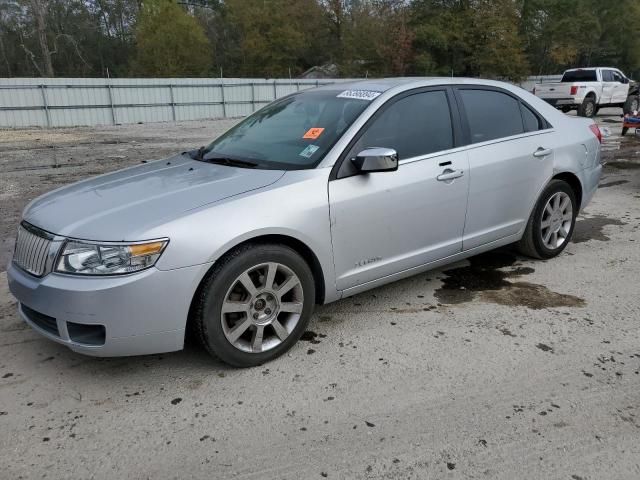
point(631, 120)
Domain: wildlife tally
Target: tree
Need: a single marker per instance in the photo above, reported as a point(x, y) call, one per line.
point(169, 42)
point(277, 37)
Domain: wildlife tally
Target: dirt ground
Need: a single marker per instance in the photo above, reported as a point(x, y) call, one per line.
point(499, 367)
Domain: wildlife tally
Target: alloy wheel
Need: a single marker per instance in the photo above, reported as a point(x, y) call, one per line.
point(262, 307)
point(557, 218)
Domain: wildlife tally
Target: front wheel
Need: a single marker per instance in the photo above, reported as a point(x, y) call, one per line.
point(632, 105)
point(255, 304)
point(551, 224)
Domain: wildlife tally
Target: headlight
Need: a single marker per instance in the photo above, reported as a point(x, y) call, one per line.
point(86, 258)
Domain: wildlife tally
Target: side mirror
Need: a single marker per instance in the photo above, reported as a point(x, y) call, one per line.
point(376, 160)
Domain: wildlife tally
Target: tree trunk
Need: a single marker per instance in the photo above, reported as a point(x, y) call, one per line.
point(39, 13)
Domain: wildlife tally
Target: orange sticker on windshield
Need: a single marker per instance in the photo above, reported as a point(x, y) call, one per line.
point(313, 133)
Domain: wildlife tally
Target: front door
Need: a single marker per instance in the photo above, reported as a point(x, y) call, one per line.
point(621, 88)
point(384, 223)
point(608, 87)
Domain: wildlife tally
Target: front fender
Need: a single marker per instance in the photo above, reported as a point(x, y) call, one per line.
point(296, 207)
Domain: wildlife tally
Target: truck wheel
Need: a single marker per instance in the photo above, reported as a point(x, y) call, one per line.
point(631, 105)
point(588, 107)
point(566, 109)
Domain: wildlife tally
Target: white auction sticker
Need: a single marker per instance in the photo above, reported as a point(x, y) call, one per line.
point(360, 94)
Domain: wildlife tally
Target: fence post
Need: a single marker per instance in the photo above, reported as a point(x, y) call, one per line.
point(253, 97)
point(224, 106)
point(113, 110)
point(275, 91)
point(173, 103)
point(297, 86)
point(45, 105)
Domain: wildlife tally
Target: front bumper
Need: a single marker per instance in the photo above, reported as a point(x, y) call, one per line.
point(136, 314)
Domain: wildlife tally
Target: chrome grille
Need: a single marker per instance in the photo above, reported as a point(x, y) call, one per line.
point(32, 250)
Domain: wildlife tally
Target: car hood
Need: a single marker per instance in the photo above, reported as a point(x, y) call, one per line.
point(123, 205)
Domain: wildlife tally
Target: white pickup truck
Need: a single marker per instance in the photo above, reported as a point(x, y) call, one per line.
point(589, 89)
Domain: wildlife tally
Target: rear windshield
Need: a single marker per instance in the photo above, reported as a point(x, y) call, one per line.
point(580, 76)
point(292, 133)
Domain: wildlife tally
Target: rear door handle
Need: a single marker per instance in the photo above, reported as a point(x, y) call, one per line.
point(542, 152)
point(449, 174)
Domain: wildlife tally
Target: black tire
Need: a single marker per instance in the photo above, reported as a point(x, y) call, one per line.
point(532, 243)
point(624, 130)
point(632, 104)
point(588, 107)
point(207, 318)
point(566, 109)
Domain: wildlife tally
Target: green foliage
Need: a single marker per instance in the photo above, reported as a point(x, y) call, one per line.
point(276, 36)
point(490, 38)
point(169, 42)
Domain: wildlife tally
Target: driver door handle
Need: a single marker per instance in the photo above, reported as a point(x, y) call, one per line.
point(542, 152)
point(449, 174)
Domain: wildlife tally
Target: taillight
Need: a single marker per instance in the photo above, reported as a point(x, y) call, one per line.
point(596, 131)
point(574, 90)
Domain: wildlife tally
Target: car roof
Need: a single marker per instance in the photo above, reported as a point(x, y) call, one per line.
point(591, 68)
point(384, 84)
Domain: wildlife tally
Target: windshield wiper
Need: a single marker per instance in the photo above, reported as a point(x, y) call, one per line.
point(230, 162)
point(201, 155)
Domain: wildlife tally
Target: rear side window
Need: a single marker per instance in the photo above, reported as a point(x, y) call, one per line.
point(531, 121)
point(580, 76)
point(491, 115)
point(415, 125)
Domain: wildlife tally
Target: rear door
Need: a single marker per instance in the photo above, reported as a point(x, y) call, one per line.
point(510, 160)
point(387, 222)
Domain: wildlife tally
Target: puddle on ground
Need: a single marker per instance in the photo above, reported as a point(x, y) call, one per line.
point(485, 279)
point(613, 184)
point(592, 228)
point(623, 165)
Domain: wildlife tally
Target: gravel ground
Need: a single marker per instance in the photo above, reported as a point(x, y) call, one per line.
point(499, 367)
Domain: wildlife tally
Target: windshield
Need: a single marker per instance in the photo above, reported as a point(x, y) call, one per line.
point(580, 76)
point(293, 133)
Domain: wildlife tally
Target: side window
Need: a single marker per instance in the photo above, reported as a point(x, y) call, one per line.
point(415, 125)
point(531, 121)
point(607, 76)
point(617, 77)
point(491, 115)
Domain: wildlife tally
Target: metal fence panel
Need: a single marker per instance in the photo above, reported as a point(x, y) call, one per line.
point(67, 102)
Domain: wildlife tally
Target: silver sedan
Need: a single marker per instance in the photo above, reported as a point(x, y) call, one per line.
point(320, 195)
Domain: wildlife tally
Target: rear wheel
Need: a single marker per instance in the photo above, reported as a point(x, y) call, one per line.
point(255, 304)
point(588, 107)
point(551, 224)
point(631, 105)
